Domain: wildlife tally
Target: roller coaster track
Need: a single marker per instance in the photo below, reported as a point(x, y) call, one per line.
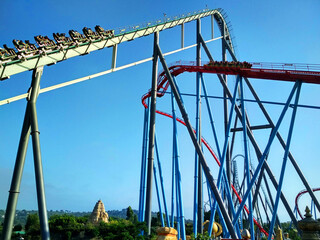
point(282, 72)
point(10, 68)
point(298, 197)
point(309, 73)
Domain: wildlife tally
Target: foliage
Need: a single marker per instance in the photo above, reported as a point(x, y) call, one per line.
point(130, 214)
point(122, 229)
point(32, 227)
point(293, 232)
point(204, 236)
point(66, 226)
point(17, 227)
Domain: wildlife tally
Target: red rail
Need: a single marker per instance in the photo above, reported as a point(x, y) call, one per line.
point(308, 73)
point(298, 197)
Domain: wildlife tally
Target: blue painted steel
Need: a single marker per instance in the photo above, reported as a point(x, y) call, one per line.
point(172, 187)
point(161, 183)
point(196, 160)
point(143, 164)
point(266, 151)
point(181, 219)
point(178, 212)
point(193, 137)
point(211, 117)
point(285, 158)
point(222, 160)
point(216, 142)
point(246, 157)
point(158, 194)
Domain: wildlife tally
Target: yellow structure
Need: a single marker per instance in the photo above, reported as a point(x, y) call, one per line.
point(279, 234)
point(166, 233)
point(99, 214)
point(245, 234)
point(216, 228)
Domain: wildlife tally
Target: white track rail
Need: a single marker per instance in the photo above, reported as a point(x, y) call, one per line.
point(10, 68)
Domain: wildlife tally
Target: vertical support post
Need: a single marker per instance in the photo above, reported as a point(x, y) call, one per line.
point(30, 126)
point(44, 225)
point(225, 104)
point(143, 164)
point(114, 56)
point(212, 26)
point(285, 158)
point(152, 131)
point(182, 35)
point(180, 215)
point(161, 184)
point(246, 158)
point(158, 193)
point(198, 168)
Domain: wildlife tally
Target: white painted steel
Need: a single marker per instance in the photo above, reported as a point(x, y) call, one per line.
point(7, 70)
point(61, 85)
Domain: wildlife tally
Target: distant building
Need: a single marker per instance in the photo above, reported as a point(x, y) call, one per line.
point(99, 214)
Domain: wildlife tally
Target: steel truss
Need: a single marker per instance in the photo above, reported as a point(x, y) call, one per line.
point(219, 192)
point(231, 213)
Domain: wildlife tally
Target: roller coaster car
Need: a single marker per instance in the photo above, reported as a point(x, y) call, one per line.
point(7, 54)
point(25, 49)
point(78, 37)
point(232, 64)
point(45, 43)
point(104, 33)
point(91, 34)
point(63, 41)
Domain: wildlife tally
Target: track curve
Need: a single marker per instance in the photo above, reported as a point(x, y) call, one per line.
point(298, 197)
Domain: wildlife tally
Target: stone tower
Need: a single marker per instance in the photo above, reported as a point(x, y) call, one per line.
point(99, 214)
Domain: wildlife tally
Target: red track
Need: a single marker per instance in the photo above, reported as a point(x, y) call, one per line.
point(299, 195)
point(282, 72)
point(275, 72)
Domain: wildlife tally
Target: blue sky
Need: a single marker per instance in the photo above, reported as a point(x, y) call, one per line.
point(91, 133)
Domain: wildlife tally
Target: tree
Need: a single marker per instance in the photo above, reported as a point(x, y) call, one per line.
point(17, 227)
point(33, 227)
point(130, 214)
point(65, 226)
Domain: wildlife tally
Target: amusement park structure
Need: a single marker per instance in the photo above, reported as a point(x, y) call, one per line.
point(239, 203)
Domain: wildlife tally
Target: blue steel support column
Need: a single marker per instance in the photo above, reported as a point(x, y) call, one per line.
point(266, 151)
point(198, 201)
point(152, 132)
point(225, 105)
point(293, 161)
point(285, 158)
point(180, 211)
point(143, 165)
point(172, 185)
point(157, 191)
point(161, 183)
point(193, 137)
point(254, 143)
point(246, 158)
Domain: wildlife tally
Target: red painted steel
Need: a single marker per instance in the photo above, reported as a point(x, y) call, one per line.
point(299, 195)
point(283, 72)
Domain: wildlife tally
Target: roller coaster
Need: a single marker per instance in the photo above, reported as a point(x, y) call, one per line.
point(237, 205)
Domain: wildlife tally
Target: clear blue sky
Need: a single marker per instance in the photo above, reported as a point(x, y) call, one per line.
point(91, 133)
